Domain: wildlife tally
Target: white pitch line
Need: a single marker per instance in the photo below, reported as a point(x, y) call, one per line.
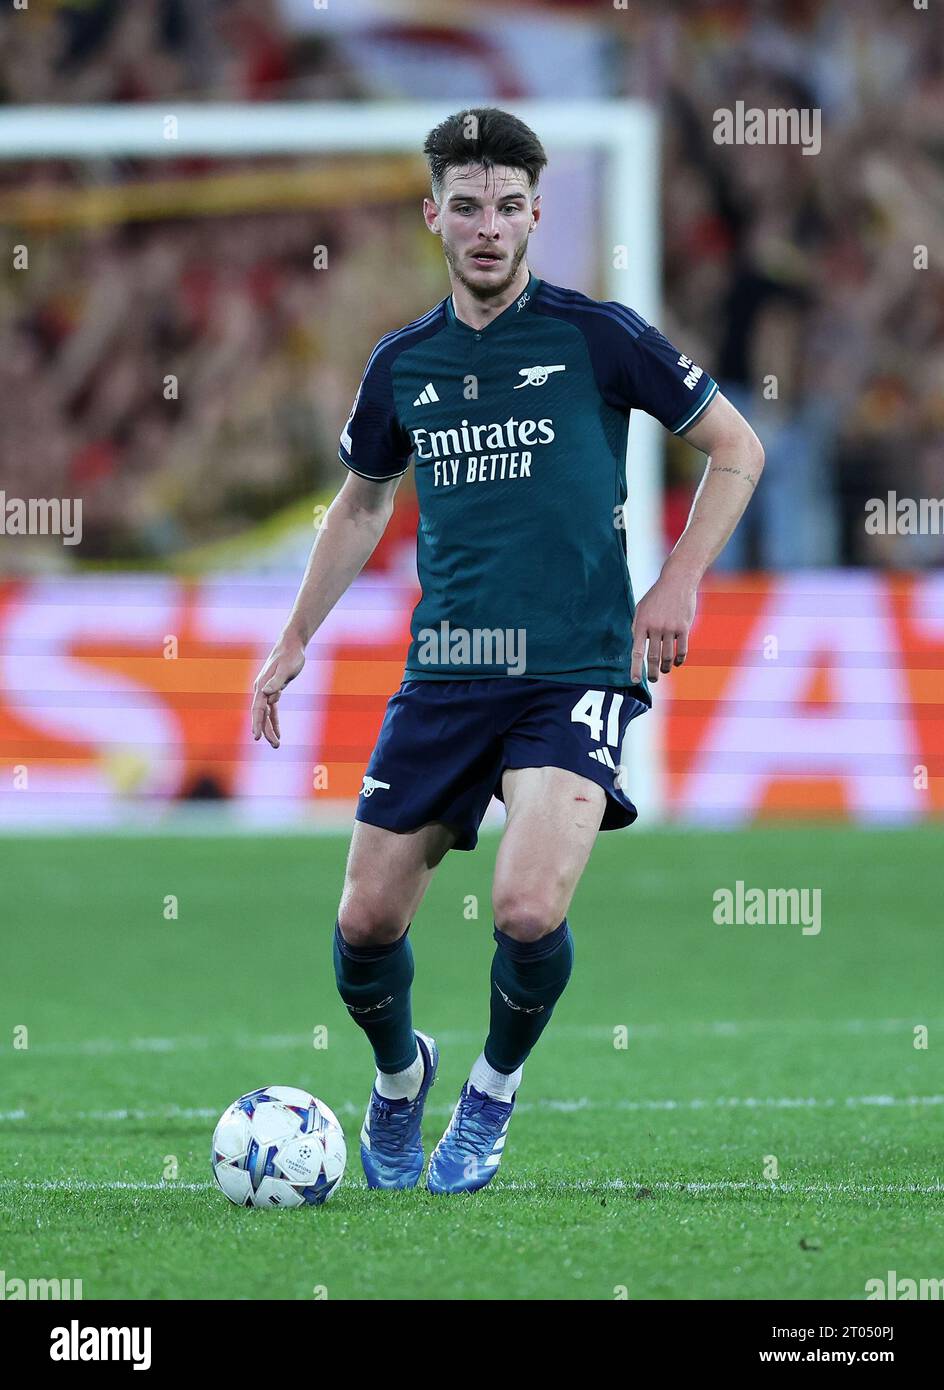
point(740, 1102)
point(639, 1032)
point(582, 1103)
point(90, 1185)
point(837, 1189)
point(589, 1186)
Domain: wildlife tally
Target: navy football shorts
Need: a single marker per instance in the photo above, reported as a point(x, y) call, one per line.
point(444, 745)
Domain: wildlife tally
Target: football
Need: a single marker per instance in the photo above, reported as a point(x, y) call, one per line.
point(278, 1147)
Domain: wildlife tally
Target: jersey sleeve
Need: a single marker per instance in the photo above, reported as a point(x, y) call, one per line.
point(643, 371)
point(373, 443)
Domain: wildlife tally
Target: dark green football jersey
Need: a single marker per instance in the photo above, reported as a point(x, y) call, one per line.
point(517, 432)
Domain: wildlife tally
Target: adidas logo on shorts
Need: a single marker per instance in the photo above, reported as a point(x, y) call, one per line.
point(602, 755)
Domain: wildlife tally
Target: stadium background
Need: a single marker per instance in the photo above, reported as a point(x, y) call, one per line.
point(800, 267)
point(768, 1125)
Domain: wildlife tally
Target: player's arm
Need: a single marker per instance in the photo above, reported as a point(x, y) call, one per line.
point(346, 539)
point(637, 368)
point(376, 449)
point(666, 613)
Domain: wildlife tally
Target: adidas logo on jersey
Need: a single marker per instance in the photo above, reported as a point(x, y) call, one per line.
point(427, 395)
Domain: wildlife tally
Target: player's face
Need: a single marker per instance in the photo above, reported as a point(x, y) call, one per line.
point(484, 218)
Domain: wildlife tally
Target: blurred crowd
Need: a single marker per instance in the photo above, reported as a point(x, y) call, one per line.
point(814, 284)
point(186, 379)
point(187, 376)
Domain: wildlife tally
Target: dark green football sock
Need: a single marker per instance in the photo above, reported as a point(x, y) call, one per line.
point(374, 982)
point(528, 978)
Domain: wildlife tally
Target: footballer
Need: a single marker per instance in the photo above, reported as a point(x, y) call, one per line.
point(529, 657)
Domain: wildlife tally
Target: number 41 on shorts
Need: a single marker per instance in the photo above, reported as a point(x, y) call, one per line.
point(589, 710)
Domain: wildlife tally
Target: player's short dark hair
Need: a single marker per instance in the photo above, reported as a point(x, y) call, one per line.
point(484, 136)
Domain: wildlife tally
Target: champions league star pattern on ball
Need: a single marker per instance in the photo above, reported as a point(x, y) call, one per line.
point(278, 1147)
point(518, 434)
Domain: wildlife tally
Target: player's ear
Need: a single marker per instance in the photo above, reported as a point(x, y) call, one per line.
point(535, 210)
point(431, 216)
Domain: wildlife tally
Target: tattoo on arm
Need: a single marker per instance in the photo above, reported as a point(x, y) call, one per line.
point(727, 468)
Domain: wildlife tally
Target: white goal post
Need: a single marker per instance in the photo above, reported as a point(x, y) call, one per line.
point(627, 132)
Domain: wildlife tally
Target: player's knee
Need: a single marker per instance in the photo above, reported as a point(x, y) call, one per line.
point(526, 916)
point(366, 920)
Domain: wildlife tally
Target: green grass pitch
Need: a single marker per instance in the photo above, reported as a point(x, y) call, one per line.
point(639, 1171)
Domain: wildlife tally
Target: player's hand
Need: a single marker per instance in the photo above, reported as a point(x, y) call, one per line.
point(282, 665)
point(663, 619)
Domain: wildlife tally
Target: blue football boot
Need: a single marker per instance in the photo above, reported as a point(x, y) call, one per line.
point(468, 1154)
point(391, 1143)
